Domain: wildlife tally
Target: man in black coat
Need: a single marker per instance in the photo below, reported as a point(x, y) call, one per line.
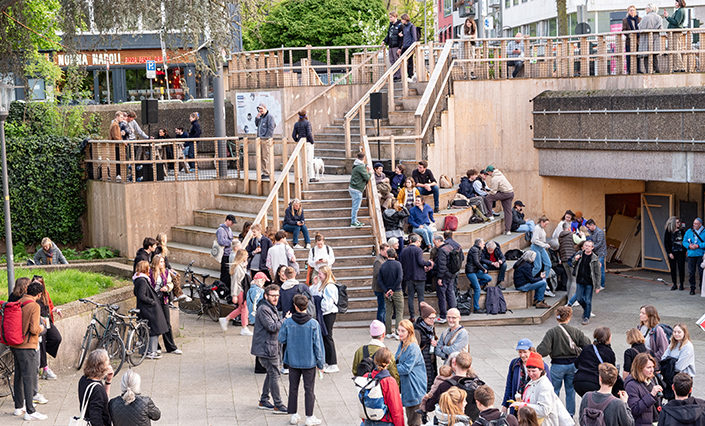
point(389, 281)
point(414, 268)
point(149, 244)
point(257, 250)
point(447, 282)
point(476, 273)
point(265, 346)
point(685, 409)
point(493, 259)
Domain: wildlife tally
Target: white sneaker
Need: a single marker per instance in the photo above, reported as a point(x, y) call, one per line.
point(313, 420)
point(47, 374)
point(298, 247)
point(576, 304)
point(295, 419)
point(39, 399)
point(177, 352)
point(592, 315)
point(153, 355)
point(549, 293)
point(223, 323)
point(308, 246)
point(187, 299)
point(19, 412)
point(159, 351)
point(331, 369)
point(34, 416)
point(508, 233)
point(245, 332)
point(284, 370)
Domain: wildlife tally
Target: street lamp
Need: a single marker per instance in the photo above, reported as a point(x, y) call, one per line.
point(5, 99)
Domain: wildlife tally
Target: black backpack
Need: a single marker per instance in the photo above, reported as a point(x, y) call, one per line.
point(494, 302)
point(513, 254)
point(455, 259)
point(342, 298)
point(311, 308)
point(501, 421)
point(367, 364)
point(468, 384)
point(594, 414)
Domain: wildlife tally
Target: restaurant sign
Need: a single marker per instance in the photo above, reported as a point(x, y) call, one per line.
point(115, 57)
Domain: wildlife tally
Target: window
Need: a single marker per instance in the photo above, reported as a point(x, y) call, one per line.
point(553, 27)
point(516, 2)
point(507, 4)
point(37, 88)
point(447, 7)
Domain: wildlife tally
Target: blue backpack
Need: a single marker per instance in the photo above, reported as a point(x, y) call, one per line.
point(371, 397)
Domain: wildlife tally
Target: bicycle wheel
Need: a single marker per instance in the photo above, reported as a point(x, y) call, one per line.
point(7, 370)
point(85, 346)
point(116, 351)
point(137, 342)
point(213, 308)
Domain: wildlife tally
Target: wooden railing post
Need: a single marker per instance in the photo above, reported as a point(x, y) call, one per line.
point(348, 139)
point(297, 177)
point(420, 62)
point(584, 51)
point(246, 165)
point(258, 164)
point(304, 165)
point(270, 149)
point(391, 150)
point(404, 77)
point(363, 119)
point(601, 65)
point(285, 150)
point(390, 92)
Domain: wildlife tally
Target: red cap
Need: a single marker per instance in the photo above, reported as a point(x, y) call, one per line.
point(261, 276)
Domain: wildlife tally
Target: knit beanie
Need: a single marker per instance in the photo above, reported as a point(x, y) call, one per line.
point(426, 310)
point(535, 360)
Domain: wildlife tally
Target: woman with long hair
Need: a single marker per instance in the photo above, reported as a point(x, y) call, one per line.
point(19, 290)
point(643, 391)
point(408, 194)
point(50, 342)
point(294, 222)
point(302, 129)
point(148, 302)
point(412, 372)
point(425, 331)
point(527, 417)
point(390, 390)
point(240, 285)
point(655, 338)
point(587, 376)
point(451, 408)
point(131, 408)
point(682, 349)
point(94, 386)
point(279, 275)
point(673, 243)
point(245, 229)
point(160, 281)
point(468, 35)
point(635, 340)
point(676, 21)
point(319, 256)
point(327, 289)
point(175, 277)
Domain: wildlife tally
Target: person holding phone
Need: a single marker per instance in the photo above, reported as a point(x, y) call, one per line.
point(694, 241)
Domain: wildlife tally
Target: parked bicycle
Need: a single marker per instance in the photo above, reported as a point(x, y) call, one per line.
point(208, 301)
point(109, 337)
point(135, 333)
point(7, 370)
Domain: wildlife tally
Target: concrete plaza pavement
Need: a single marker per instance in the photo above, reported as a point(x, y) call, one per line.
point(213, 382)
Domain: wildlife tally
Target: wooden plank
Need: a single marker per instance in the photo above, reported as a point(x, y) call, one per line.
point(656, 229)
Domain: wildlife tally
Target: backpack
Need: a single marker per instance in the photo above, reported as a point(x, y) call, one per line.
point(494, 301)
point(475, 219)
point(455, 258)
point(342, 298)
point(468, 384)
point(371, 397)
point(311, 307)
point(501, 421)
point(668, 330)
point(11, 322)
point(367, 364)
point(450, 224)
point(668, 372)
point(513, 254)
point(594, 414)
point(223, 290)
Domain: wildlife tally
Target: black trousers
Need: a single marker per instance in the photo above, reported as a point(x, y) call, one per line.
point(225, 270)
point(309, 376)
point(328, 343)
point(409, 63)
point(25, 377)
point(412, 287)
point(49, 345)
point(168, 337)
point(677, 265)
point(693, 267)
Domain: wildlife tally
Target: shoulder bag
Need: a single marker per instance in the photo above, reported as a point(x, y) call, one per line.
point(575, 348)
point(81, 420)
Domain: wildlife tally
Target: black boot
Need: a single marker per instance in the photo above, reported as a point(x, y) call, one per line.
point(681, 287)
point(692, 291)
point(674, 288)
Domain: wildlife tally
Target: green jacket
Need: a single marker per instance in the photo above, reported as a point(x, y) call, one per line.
point(556, 344)
point(676, 20)
point(359, 176)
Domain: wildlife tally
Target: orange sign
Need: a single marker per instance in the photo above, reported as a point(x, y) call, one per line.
point(115, 57)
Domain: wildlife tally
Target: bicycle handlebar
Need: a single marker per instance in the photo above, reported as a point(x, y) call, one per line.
point(111, 308)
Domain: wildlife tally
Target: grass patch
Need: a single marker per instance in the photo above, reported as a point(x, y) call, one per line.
point(67, 285)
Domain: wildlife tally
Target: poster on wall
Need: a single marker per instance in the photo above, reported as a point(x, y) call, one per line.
point(246, 110)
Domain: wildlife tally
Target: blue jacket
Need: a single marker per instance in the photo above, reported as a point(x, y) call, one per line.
point(412, 263)
point(523, 275)
point(691, 238)
point(410, 37)
point(305, 344)
point(418, 217)
point(254, 295)
point(514, 379)
point(290, 218)
point(465, 188)
point(412, 374)
point(390, 275)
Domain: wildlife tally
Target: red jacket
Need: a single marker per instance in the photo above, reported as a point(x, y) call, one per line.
point(392, 397)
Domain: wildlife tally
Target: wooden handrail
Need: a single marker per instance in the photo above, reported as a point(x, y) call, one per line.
point(291, 49)
point(274, 192)
point(387, 78)
point(373, 206)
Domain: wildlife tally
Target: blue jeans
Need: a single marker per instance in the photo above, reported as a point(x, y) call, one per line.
point(426, 234)
point(477, 279)
point(602, 271)
point(542, 262)
point(381, 307)
point(356, 201)
point(564, 373)
point(294, 229)
point(527, 227)
point(539, 286)
point(584, 294)
point(436, 194)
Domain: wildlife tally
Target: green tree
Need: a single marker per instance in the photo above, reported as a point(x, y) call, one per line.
point(562, 17)
point(297, 23)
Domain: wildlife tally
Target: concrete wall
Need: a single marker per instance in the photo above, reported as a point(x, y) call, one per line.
point(491, 122)
point(121, 215)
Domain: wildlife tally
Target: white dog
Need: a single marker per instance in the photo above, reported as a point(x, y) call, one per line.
point(318, 168)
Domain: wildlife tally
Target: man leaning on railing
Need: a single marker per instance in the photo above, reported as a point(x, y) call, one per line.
point(265, 129)
point(515, 49)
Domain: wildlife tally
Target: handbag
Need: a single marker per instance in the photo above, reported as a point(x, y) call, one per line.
point(81, 420)
point(444, 182)
point(217, 251)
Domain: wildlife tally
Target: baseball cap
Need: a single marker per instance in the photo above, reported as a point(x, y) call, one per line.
point(490, 168)
point(231, 217)
point(519, 203)
point(261, 276)
point(524, 345)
